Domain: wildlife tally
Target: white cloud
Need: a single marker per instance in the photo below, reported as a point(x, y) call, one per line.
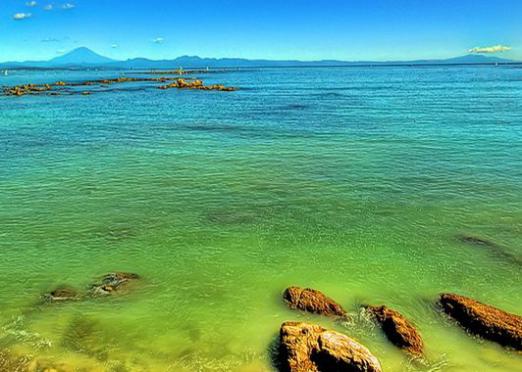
point(491, 49)
point(21, 16)
point(48, 7)
point(68, 6)
point(31, 4)
point(158, 40)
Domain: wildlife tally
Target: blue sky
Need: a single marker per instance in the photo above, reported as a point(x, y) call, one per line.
point(283, 29)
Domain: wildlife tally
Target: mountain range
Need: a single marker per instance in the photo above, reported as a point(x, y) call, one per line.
point(86, 58)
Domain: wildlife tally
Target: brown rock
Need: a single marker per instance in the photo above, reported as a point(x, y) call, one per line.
point(21, 90)
point(311, 348)
point(398, 329)
point(113, 282)
point(483, 320)
point(312, 301)
point(195, 84)
point(62, 293)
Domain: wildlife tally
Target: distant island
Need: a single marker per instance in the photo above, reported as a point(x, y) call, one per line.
point(86, 58)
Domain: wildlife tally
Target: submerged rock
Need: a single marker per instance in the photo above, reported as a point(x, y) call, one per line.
point(494, 248)
point(399, 330)
point(483, 320)
point(310, 348)
point(87, 336)
point(313, 301)
point(13, 363)
point(62, 293)
point(113, 282)
point(476, 241)
point(42, 365)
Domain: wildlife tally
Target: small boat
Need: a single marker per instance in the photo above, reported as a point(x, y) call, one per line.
point(6, 73)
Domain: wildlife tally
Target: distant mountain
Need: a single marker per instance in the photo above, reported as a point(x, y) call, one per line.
point(470, 59)
point(86, 58)
point(80, 56)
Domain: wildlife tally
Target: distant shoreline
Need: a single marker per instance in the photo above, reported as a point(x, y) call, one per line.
point(86, 58)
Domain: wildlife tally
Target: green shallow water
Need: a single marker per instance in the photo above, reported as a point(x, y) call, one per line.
point(355, 181)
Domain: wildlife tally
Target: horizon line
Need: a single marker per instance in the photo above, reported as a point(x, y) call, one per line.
point(112, 60)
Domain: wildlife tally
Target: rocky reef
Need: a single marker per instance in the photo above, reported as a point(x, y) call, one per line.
point(112, 283)
point(312, 301)
point(483, 320)
point(109, 284)
point(399, 330)
point(22, 90)
point(62, 87)
point(311, 348)
point(196, 84)
point(61, 294)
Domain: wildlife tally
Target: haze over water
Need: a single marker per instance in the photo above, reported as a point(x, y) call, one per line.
point(357, 181)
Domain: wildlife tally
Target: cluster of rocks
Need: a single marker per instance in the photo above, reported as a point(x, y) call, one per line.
point(59, 87)
point(109, 284)
point(22, 90)
point(310, 347)
point(196, 84)
point(113, 283)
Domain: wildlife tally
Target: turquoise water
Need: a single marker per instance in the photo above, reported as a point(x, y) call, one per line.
point(355, 181)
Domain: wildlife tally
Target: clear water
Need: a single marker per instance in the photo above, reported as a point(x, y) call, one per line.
point(354, 181)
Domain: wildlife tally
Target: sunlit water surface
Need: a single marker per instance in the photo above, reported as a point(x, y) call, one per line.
point(355, 181)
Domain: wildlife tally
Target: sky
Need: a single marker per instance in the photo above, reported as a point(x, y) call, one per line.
point(350, 30)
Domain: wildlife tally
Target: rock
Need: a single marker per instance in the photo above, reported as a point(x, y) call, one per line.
point(399, 330)
point(22, 90)
point(13, 363)
point(112, 283)
point(62, 293)
point(42, 365)
point(36, 89)
point(312, 301)
point(88, 336)
point(494, 248)
point(195, 84)
point(476, 240)
point(311, 348)
point(483, 320)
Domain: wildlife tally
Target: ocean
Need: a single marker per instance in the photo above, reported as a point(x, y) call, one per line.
point(361, 182)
